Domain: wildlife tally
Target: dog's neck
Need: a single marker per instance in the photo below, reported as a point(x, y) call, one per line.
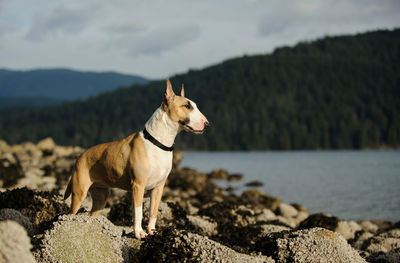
point(162, 128)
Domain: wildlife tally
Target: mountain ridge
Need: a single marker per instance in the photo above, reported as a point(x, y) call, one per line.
point(340, 92)
point(59, 84)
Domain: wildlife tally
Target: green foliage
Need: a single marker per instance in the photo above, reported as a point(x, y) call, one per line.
point(334, 93)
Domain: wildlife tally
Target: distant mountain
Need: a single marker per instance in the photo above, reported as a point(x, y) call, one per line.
point(51, 86)
point(333, 93)
point(6, 102)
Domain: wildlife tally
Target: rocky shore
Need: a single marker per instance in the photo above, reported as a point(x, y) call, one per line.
point(198, 221)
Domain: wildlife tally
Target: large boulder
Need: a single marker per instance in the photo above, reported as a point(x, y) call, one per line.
point(15, 244)
point(16, 216)
point(73, 238)
point(181, 246)
point(309, 245)
point(39, 206)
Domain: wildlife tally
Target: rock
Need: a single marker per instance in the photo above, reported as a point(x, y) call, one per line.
point(358, 241)
point(347, 229)
point(286, 210)
point(257, 199)
point(169, 214)
point(73, 238)
point(4, 147)
point(254, 184)
point(266, 229)
point(320, 220)
point(265, 216)
point(383, 242)
point(176, 246)
point(10, 171)
point(16, 216)
point(207, 227)
point(46, 145)
point(15, 244)
point(309, 245)
point(300, 208)
point(368, 226)
point(392, 256)
point(177, 158)
point(218, 174)
point(235, 177)
point(383, 225)
point(40, 207)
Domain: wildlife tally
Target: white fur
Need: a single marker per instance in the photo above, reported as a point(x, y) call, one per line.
point(162, 128)
point(197, 119)
point(138, 220)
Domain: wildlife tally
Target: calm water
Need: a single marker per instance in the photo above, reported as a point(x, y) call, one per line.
point(348, 184)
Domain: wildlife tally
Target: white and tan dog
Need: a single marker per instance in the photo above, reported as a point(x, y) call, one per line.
point(139, 162)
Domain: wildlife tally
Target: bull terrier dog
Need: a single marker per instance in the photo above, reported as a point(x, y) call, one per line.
point(142, 161)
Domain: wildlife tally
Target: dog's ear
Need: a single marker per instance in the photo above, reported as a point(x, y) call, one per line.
point(182, 91)
point(169, 94)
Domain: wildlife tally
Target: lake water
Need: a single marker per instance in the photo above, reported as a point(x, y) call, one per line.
point(352, 185)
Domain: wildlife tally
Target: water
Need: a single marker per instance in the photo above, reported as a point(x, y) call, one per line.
point(352, 185)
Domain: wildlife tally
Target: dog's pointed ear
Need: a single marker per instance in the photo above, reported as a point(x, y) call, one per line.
point(169, 94)
point(183, 91)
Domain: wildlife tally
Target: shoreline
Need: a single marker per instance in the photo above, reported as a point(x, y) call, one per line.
point(198, 220)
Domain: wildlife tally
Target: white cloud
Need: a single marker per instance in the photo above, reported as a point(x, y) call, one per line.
point(158, 38)
point(62, 20)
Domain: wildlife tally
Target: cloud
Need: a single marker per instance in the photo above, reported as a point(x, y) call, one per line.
point(158, 40)
point(325, 16)
point(59, 21)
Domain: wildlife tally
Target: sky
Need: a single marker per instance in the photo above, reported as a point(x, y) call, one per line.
point(157, 39)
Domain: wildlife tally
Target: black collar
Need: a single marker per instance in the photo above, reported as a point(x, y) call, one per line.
point(148, 136)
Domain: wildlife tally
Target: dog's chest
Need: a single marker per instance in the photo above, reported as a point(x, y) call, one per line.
point(160, 164)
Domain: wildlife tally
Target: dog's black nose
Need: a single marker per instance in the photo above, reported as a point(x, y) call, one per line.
point(207, 124)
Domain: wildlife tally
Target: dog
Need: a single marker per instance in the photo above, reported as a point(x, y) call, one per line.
point(142, 161)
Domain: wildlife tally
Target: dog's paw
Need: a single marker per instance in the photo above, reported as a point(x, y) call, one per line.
point(152, 231)
point(139, 233)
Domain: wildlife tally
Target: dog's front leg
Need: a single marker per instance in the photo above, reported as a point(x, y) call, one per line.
point(137, 201)
point(155, 200)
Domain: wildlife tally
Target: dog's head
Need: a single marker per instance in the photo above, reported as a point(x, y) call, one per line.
point(184, 111)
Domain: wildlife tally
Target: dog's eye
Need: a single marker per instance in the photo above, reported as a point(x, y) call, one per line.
point(187, 106)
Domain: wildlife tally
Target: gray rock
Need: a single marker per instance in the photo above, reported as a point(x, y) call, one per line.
point(309, 245)
point(180, 246)
point(392, 256)
point(266, 229)
point(218, 174)
point(15, 244)
point(347, 229)
point(359, 239)
point(204, 224)
point(368, 226)
point(165, 214)
point(76, 237)
point(265, 215)
point(46, 145)
point(384, 242)
point(286, 210)
point(14, 215)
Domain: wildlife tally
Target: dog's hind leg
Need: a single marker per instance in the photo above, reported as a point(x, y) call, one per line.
point(99, 198)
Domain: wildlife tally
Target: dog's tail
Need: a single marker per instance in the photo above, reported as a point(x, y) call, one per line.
point(68, 190)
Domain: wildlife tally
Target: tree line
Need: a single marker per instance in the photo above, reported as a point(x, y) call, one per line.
point(333, 93)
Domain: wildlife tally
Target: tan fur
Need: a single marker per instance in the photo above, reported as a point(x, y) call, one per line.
point(122, 164)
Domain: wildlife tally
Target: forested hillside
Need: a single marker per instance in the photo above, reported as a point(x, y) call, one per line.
point(333, 93)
